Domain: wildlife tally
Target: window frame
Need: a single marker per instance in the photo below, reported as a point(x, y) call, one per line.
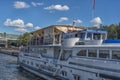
point(92, 53)
point(103, 54)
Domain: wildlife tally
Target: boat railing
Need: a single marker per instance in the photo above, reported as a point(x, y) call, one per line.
point(95, 58)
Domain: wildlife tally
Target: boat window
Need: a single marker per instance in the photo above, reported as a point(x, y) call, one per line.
point(89, 36)
point(31, 63)
point(82, 35)
point(79, 43)
point(92, 53)
point(42, 51)
point(103, 36)
point(32, 49)
point(27, 62)
point(64, 73)
point(76, 35)
point(104, 53)
point(82, 53)
point(37, 65)
point(96, 36)
point(115, 54)
point(24, 50)
point(56, 52)
point(66, 36)
point(90, 79)
point(23, 61)
point(76, 77)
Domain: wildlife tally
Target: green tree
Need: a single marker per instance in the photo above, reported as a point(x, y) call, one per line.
point(4, 34)
point(23, 39)
point(12, 43)
point(112, 31)
point(118, 31)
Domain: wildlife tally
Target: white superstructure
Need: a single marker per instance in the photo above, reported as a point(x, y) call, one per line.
point(81, 56)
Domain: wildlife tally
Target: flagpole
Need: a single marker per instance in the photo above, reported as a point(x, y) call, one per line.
point(93, 8)
point(92, 13)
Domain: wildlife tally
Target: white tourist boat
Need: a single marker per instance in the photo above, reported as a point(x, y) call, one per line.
point(80, 55)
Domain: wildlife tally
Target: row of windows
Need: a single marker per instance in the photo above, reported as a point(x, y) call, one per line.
point(49, 68)
point(102, 53)
point(34, 50)
point(31, 63)
point(2, 41)
point(41, 50)
point(90, 36)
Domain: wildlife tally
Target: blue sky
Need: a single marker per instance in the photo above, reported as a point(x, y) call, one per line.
point(19, 16)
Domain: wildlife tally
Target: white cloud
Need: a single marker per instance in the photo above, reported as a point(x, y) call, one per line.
point(96, 21)
point(36, 4)
point(18, 24)
point(57, 7)
point(37, 27)
point(14, 23)
point(20, 4)
point(62, 19)
point(21, 30)
point(29, 25)
point(78, 21)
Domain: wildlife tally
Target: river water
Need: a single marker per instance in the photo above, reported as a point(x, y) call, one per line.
point(9, 70)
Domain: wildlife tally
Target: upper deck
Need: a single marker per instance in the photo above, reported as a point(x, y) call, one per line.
point(75, 38)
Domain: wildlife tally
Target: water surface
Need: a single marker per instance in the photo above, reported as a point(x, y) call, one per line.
point(9, 70)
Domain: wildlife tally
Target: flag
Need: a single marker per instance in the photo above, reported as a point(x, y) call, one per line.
point(93, 4)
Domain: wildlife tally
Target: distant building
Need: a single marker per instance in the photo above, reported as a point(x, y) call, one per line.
point(9, 36)
point(4, 37)
point(52, 34)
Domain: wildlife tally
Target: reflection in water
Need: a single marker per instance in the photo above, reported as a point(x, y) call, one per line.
point(9, 71)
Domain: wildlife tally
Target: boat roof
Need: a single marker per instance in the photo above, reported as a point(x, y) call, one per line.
point(100, 46)
point(94, 31)
point(112, 41)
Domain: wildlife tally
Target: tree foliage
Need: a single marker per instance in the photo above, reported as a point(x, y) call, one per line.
point(13, 43)
point(113, 30)
point(23, 39)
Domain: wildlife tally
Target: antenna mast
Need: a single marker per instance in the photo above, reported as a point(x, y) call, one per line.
point(73, 24)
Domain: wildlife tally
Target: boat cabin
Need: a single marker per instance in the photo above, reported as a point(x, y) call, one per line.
point(88, 34)
point(87, 37)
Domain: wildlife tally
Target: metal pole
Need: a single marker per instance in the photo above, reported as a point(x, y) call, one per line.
point(53, 36)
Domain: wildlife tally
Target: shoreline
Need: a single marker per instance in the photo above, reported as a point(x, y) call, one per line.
point(10, 51)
